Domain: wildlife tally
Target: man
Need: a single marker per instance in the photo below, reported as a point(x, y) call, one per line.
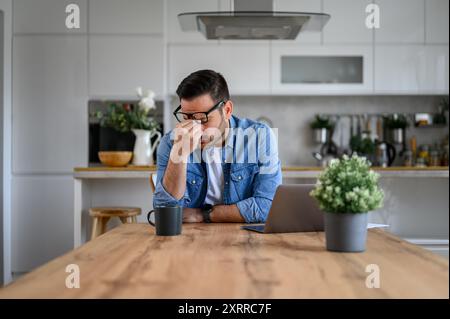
point(218, 167)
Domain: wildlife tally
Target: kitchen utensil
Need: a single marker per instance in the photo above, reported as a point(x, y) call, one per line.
point(115, 159)
point(380, 136)
point(386, 154)
point(321, 135)
point(358, 125)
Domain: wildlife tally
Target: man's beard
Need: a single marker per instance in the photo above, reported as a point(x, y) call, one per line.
point(212, 140)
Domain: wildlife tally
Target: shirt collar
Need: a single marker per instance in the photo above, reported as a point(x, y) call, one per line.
point(229, 141)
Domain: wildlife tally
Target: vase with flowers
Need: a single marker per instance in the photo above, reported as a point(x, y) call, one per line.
point(132, 127)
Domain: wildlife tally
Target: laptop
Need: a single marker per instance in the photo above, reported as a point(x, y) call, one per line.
point(293, 210)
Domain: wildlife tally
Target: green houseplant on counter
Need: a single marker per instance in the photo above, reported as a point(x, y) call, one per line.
point(346, 191)
point(363, 145)
point(322, 127)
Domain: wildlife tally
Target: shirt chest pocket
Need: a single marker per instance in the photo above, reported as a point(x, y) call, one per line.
point(194, 183)
point(242, 179)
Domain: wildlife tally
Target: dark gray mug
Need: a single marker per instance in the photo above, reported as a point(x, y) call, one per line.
point(168, 220)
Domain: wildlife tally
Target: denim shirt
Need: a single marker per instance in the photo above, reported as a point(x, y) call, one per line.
point(251, 170)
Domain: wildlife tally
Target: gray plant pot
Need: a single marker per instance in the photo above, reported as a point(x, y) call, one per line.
point(346, 232)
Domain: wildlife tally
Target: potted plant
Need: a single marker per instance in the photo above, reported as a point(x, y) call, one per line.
point(363, 145)
point(397, 123)
point(130, 127)
point(346, 191)
point(321, 127)
point(440, 118)
point(115, 131)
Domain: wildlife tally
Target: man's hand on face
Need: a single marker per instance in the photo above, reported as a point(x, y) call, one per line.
point(187, 138)
point(192, 215)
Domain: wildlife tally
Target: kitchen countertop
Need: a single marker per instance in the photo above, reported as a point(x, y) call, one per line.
point(224, 261)
point(96, 172)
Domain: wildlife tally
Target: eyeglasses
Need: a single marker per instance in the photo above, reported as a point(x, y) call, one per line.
point(197, 116)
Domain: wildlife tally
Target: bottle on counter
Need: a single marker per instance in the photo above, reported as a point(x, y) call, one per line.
point(420, 162)
point(445, 156)
point(424, 153)
point(435, 159)
point(413, 147)
point(408, 159)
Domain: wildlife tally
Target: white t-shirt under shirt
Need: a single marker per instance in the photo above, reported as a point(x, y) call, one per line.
point(213, 161)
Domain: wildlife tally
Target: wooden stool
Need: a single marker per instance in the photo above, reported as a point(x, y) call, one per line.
point(101, 216)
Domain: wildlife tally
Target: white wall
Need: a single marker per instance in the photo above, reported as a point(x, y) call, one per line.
point(5, 143)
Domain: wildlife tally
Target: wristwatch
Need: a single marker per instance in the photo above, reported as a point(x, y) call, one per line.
point(206, 212)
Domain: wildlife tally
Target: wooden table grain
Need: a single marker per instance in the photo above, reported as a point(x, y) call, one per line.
point(223, 261)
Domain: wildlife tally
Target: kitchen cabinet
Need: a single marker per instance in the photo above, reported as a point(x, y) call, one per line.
point(300, 6)
point(175, 7)
point(136, 17)
point(313, 84)
point(401, 21)
point(42, 220)
point(436, 21)
point(245, 66)
point(347, 23)
point(410, 69)
point(46, 16)
point(50, 115)
point(119, 64)
point(226, 5)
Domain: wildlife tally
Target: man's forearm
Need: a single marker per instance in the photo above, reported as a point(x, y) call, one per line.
point(226, 214)
point(174, 180)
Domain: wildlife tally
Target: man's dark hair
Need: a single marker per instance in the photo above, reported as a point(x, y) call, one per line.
point(204, 82)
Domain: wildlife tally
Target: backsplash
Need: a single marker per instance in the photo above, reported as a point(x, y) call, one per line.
point(292, 116)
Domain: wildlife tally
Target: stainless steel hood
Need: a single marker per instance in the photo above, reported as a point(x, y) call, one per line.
point(252, 20)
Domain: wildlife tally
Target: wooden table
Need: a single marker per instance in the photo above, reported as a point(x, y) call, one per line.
point(223, 261)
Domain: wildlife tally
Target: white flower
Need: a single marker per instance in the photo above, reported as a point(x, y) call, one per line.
point(334, 162)
point(147, 101)
point(348, 185)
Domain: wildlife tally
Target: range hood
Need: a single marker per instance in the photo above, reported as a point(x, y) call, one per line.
point(252, 20)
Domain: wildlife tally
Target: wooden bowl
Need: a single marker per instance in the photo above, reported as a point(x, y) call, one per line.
point(115, 159)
